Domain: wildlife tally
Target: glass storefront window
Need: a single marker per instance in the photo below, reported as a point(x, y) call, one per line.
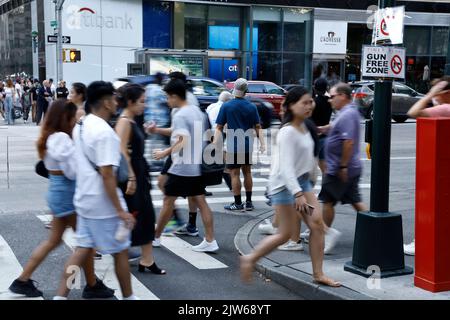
point(267, 21)
point(352, 68)
point(294, 37)
point(295, 29)
point(224, 27)
point(269, 67)
point(294, 68)
point(437, 67)
point(417, 40)
point(358, 35)
point(440, 41)
point(195, 26)
point(415, 72)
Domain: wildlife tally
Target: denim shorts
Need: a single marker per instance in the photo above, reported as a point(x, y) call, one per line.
point(285, 197)
point(100, 234)
point(60, 196)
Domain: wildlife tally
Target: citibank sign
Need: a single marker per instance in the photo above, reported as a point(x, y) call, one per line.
point(85, 17)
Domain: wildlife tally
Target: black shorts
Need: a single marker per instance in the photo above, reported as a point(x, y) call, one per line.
point(180, 186)
point(334, 190)
point(237, 160)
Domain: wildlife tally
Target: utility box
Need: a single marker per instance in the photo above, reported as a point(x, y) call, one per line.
point(432, 245)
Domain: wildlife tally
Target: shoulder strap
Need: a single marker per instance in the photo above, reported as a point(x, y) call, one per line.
point(80, 122)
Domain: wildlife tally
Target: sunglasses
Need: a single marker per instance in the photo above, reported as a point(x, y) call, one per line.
point(334, 95)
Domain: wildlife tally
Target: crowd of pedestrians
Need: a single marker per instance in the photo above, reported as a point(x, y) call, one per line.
point(20, 97)
point(91, 135)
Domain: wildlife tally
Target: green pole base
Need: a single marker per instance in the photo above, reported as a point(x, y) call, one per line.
point(378, 246)
point(349, 267)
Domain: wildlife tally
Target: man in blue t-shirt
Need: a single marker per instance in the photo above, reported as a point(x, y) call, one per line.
point(243, 123)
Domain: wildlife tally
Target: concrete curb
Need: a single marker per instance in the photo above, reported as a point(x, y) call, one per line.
point(292, 279)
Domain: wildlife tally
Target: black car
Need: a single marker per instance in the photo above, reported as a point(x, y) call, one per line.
point(207, 91)
point(403, 98)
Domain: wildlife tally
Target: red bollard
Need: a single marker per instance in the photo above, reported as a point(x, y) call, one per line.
point(432, 257)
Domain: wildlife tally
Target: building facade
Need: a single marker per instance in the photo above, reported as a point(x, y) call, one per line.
point(284, 41)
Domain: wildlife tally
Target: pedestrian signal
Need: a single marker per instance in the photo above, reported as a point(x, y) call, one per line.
point(71, 55)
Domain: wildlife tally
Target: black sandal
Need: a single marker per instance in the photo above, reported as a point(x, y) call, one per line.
point(153, 268)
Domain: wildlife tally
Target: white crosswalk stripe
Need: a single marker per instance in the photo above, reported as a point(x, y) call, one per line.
point(10, 268)
point(104, 269)
point(181, 248)
point(222, 195)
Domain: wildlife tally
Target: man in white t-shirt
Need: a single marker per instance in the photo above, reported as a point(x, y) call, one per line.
point(18, 89)
point(52, 88)
point(213, 109)
point(99, 203)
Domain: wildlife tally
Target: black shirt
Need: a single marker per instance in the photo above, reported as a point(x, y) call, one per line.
point(62, 92)
point(322, 113)
point(33, 91)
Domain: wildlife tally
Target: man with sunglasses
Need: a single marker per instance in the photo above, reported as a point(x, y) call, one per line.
point(342, 155)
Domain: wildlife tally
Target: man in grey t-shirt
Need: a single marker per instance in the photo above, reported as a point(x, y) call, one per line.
point(184, 175)
point(343, 161)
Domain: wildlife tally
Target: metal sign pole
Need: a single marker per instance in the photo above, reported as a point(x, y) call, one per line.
point(59, 54)
point(378, 244)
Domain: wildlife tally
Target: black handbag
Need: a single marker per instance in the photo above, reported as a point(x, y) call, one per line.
point(40, 169)
point(211, 172)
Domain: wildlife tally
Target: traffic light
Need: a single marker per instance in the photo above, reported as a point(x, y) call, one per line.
point(71, 55)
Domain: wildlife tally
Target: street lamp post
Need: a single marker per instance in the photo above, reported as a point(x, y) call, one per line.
point(378, 245)
point(59, 55)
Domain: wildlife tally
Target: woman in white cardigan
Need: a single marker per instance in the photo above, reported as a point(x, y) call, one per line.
point(290, 189)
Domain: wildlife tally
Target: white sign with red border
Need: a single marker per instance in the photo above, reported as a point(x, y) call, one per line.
point(383, 62)
point(388, 25)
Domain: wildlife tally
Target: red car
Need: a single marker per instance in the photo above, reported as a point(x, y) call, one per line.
point(265, 90)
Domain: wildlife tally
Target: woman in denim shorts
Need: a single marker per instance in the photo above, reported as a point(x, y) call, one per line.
point(56, 148)
point(290, 188)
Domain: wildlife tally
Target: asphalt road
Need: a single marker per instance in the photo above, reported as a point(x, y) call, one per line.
point(22, 200)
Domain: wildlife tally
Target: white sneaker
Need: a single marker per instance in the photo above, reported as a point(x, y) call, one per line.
point(291, 246)
point(156, 243)
point(331, 238)
point(266, 227)
point(206, 246)
point(410, 249)
point(132, 297)
point(305, 235)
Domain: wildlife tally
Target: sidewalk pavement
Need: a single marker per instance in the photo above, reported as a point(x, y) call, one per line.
point(293, 269)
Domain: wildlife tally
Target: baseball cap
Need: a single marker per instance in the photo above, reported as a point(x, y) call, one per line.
point(240, 88)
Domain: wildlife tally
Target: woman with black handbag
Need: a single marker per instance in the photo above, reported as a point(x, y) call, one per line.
point(56, 149)
point(136, 190)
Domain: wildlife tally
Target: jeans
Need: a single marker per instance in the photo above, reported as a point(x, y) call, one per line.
point(9, 110)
